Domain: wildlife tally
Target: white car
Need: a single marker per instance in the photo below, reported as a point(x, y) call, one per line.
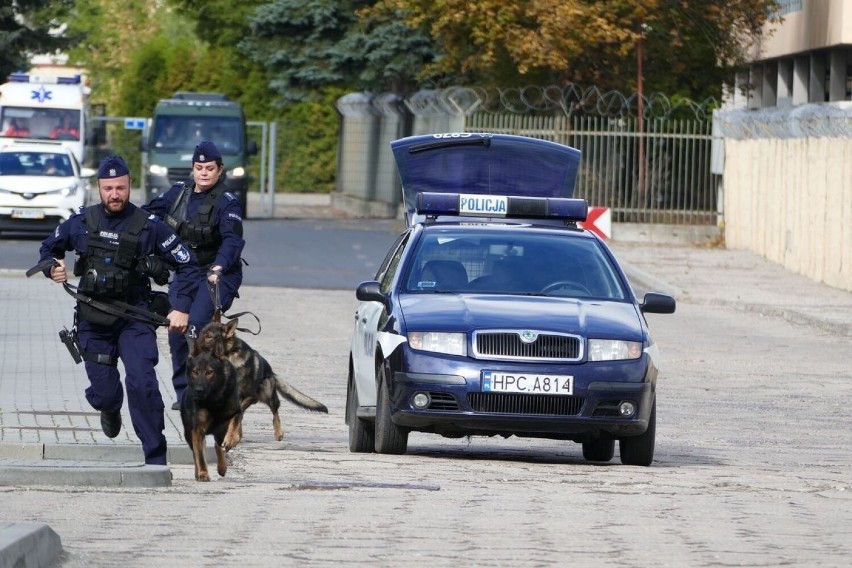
point(41, 185)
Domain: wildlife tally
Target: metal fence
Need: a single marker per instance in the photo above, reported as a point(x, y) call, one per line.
point(658, 175)
point(648, 163)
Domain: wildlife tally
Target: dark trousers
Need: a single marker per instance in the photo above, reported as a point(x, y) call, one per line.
point(135, 343)
point(200, 314)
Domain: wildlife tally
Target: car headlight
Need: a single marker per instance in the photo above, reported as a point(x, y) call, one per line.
point(237, 172)
point(613, 350)
point(448, 343)
point(157, 170)
point(65, 191)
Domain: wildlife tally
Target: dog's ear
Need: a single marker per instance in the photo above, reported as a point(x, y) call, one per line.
point(231, 328)
point(217, 316)
point(219, 350)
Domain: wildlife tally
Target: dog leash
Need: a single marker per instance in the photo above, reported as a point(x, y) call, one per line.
point(218, 314)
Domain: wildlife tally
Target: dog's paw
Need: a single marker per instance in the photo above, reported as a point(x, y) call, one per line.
point(230, 442)
point(202, 476)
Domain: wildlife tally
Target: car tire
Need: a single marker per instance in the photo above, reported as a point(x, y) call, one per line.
point(361, 432)
point(599, 450)
point(390, 438)
point(639, 450)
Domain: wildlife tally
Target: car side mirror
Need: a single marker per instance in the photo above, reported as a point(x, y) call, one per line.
point(143, 143)
point(370, 291)
point(87, 172)
point(655, 303)
point(252, 148)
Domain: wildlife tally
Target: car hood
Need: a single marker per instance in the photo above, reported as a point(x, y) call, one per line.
point(23, 185)
point(484, 164)
point(468, 312)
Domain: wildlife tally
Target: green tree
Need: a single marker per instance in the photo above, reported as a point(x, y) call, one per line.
point(692, 46)
point(307, 46)
point(219, 26)
point(110, 35)
point(307, 144)
point(25, 30)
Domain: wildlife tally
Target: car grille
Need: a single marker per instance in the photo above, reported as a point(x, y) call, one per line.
point(544, 346)
point(500, 403)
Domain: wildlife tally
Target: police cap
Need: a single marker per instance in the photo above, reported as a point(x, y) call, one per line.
point(113, 167)
point(206, 152)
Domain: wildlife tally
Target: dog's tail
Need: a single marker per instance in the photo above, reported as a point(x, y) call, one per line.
point(297, 397)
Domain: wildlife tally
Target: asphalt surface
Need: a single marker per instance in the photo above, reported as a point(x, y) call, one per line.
point(50, 436)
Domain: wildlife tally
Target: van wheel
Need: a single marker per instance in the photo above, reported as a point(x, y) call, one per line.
point(390, 438)
point(361, 432)
point(639, 450)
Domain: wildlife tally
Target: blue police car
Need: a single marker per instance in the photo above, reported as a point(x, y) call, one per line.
point(494, 314)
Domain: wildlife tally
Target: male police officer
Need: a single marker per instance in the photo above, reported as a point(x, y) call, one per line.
point(115, 241)
point(209, 220)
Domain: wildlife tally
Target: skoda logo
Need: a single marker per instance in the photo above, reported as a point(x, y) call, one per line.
point(528, 336)
point(28, 195)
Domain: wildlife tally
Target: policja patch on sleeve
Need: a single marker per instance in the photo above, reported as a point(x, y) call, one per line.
point(181, 254)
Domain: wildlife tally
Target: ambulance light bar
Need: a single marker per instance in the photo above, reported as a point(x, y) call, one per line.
point(43, 79)
point(510, 206)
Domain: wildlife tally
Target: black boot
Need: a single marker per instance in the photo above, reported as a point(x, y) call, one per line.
point(111, 422)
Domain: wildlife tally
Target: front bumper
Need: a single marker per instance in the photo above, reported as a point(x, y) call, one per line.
point(43, 219)
point(458, 406)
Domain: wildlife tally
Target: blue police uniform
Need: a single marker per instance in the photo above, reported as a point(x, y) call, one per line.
point(134, 342)
point(214, 231)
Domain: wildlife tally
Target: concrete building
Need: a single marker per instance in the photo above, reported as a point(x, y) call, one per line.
point(806, 58)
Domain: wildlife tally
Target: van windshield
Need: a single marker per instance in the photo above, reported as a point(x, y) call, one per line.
point(40, 123)
point(183, 133)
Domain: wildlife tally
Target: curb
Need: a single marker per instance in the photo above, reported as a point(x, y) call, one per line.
point(28, 545)
point(82, 465)
point(116, 453)
point(66, 473)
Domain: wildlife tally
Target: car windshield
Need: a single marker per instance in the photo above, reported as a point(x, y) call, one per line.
point(35, 164)
point(528, 262)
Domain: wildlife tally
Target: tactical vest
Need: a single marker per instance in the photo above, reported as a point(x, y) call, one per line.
point(199, 233)
point(107, 270)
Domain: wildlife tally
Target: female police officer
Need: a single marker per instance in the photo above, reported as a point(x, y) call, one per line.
point(209, 220)
point(114, 239)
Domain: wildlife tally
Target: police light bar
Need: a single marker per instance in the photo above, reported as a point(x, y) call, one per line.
point(509, 206)
point(41, 79)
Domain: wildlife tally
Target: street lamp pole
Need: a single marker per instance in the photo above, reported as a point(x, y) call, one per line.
point(640, 118)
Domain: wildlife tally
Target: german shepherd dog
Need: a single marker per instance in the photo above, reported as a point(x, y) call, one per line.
point(210, 405)
point(256, 380)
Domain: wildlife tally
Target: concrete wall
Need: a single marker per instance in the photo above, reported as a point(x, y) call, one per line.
point(790, 200)
point(819, 24)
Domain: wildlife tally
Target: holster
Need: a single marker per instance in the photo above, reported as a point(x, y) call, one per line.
point(69, 338)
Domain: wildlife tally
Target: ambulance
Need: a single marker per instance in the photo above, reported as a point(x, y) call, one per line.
point(34, 108)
